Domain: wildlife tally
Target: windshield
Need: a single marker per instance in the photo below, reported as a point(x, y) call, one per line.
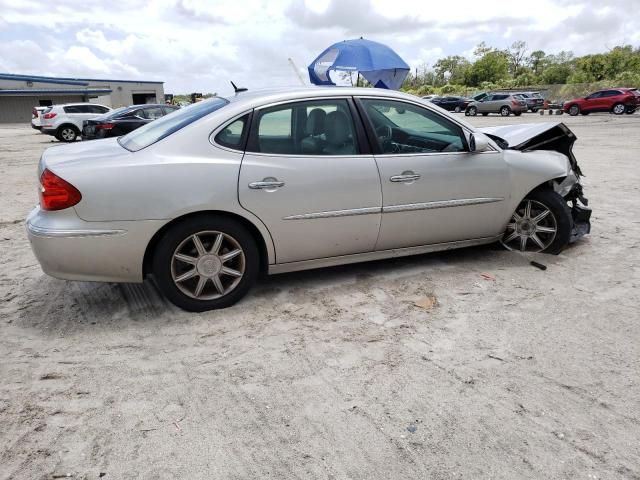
point(165, 126)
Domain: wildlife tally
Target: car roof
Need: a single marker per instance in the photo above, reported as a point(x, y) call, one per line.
point(274, 95)
point(78, 104)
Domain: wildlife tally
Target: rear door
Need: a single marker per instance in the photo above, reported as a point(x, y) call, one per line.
point(309, 176)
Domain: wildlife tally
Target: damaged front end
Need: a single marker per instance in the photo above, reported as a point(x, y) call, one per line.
point(558, 138)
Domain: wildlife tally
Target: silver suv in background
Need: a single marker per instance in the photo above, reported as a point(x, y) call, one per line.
point(65, 121)
point(503, 103)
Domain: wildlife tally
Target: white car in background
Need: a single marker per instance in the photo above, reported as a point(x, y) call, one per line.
point(65, 121)
point(36, 117)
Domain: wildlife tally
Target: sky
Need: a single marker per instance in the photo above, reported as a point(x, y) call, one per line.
point(199, 46)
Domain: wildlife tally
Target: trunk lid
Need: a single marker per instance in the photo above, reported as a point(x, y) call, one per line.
point(81, 153)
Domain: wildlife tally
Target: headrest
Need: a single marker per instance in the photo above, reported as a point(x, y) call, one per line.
point(315, 121)
point(337, 128)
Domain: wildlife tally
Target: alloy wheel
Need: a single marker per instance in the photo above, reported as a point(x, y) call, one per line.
point(68, 134)
point(619, 109)
point(532, 228)
point(208, 265)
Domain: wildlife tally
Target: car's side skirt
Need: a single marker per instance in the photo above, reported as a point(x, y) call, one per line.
point(380, 255)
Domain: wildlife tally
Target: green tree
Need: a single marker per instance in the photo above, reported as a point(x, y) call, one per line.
point(492, 66)
point(453, 66)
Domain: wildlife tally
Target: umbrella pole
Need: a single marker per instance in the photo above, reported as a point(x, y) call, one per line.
point(358, 80)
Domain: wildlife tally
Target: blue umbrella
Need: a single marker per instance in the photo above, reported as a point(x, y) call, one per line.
point(381, 66)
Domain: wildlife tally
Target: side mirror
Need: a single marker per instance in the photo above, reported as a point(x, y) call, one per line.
point(478, 142)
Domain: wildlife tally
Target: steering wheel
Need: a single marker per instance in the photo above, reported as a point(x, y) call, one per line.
point(384, 134)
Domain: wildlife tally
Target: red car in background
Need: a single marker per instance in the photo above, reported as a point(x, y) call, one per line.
point(614, 100)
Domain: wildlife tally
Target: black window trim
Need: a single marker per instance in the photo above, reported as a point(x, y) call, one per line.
point(244, 136)
point(362, 142)
point(371, 135)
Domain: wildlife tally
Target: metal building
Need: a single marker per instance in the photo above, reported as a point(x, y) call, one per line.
point(20, 93)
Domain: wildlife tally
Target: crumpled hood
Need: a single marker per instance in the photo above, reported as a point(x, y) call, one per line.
point(85, 151)
point(518, 134)
point(553, 136)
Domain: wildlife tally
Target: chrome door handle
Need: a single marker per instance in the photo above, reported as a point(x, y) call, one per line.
point(405, 177)
point(266, 184)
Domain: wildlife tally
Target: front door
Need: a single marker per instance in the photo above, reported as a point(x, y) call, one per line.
point(434, 190)
point(308, 176)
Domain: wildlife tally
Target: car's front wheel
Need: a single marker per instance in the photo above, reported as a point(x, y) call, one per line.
point(457, 109)
point(574, 110)
point(505, 111)
point(541, 223)
point(471, 111)
point(205, 263)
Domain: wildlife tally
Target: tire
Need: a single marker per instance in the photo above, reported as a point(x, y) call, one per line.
point(574, 110)
point(217, 289)
point(517, 114)
point(67, 133)
point(471, 112)
point(630, 111)
point(505, 111)
point(457, 109)
point(619, 108)
point(557, 224)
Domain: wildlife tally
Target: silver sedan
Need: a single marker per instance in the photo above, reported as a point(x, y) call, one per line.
point(207, 198)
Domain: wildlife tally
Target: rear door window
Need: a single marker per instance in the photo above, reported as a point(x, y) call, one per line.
point(317, 127)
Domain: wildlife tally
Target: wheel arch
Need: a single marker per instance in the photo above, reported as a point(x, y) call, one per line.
point(265, 245)
point(67, 124)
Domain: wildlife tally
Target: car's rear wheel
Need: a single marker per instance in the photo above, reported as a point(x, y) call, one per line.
point(619, 108)
point(67, 133)
point(206, 263)
point(574, 110)
point(457, 109)
point(471, 111)
point(541, 223)
point(505, 111)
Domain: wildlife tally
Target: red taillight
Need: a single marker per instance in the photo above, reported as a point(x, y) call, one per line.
point(49, 116)
point(515, 103)
point(56, 193)
point(105, 126)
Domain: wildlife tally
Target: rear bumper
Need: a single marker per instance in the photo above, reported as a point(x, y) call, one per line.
point(36, 127)
point(48, 131)
point(69, 248)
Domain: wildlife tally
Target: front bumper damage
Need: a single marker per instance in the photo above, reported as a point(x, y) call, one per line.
point(580, 212)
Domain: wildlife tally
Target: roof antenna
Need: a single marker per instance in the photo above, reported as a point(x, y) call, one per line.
point(238, 90)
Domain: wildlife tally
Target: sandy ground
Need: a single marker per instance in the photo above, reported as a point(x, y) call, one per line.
point(335, 374)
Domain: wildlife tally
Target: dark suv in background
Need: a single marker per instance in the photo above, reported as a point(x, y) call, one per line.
point(123, 120)
point(533, 100)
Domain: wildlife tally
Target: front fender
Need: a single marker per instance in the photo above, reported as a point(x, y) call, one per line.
point(531, 169)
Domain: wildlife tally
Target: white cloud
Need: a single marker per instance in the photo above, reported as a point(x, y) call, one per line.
point(199, 45)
